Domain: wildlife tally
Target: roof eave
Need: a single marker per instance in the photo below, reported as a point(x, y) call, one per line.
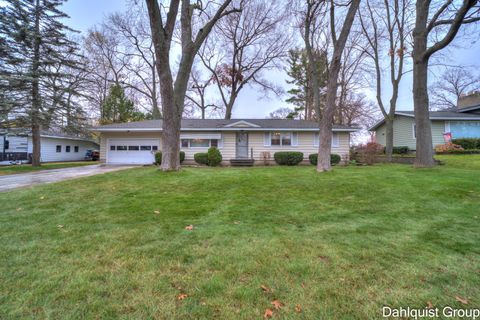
point(219, 129)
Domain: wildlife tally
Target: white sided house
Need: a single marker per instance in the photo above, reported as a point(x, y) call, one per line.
point(54, 147)
point(255, 140)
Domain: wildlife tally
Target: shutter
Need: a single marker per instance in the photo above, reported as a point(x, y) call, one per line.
point(220, 141)
point(335, 140)
point(266, 140)
point(294, 139)
point(316, 139)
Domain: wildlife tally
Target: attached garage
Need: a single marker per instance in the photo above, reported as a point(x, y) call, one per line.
point(132, 151)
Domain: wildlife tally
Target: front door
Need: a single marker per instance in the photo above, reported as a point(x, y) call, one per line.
point(242, 145)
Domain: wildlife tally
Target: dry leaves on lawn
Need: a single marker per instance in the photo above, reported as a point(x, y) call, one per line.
point(277, 304)
point(42, 197)
point(190, 227)
point(462, 300)
point(268, 313)
point(182, 296)
point(156, 212)
point(429, 305)
point(298, 309)
point(266, 289)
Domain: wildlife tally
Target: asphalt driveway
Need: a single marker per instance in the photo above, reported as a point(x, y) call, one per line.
point(13, 181)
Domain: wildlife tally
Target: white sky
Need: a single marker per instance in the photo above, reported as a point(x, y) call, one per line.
point(250, 104)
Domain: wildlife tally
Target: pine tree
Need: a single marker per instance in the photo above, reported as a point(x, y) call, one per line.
point(301, 95)
point(33, 40)
point(118, 108)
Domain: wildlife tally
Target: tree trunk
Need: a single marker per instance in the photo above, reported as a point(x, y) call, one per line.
point(326, 122)
point(36, 102)
point(389, 138)
point(229, 107)
point(424, 148)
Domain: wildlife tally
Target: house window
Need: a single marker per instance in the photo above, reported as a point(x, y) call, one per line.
point(145, 148)
point(199, 143)
point(7, 144)
point(154, 148)
point(133, 148)
point(121, 148)
point(112, 148)
point(281, 139)
point(75, 148)
point(67, 149)
point(59, 148)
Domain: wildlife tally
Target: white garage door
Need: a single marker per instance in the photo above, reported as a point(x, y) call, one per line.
point(132, 151)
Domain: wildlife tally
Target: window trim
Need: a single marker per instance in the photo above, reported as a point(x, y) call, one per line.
point(281, 145)
point(76, 149)
point(335, 140)
point(219, 144)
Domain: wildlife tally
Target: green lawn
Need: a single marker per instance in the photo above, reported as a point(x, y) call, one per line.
point(340, 245)
point(24, 168)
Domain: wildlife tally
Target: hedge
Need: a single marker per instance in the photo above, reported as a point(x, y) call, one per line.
point(214, 157)
point(288, 158)
point(334, 159)
point(401, 150)
point(158, 157)
point(201, 158)
point(468, 143)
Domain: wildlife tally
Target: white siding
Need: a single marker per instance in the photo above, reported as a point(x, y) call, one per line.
point(48, 152)
point(16, 144)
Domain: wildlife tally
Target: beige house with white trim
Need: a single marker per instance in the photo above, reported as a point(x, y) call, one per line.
point(255, 140)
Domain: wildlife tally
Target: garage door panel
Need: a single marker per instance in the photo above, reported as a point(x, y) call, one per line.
point(132, 151)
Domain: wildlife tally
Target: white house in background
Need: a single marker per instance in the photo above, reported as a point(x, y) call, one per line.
point(239, 140)
point(54, 147)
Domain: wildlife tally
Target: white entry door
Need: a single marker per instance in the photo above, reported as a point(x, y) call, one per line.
point(132, 151)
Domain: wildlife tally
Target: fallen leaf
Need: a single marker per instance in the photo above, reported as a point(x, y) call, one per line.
point(42, 197)
point(268, 313)
point(298, 309)
point(19, 209)
point(277, 304)
point(429, 305)
point(190, 227)
point(156, 212)
point(303, 285)
point(236, 222)
point(182, 296)
point(462, 300)
point(324, 258)
point(266, 289)
point(60, 226)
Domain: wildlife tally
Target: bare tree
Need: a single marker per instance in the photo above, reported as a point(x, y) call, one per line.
point(387, 22)
point(452, 84)
point(436, 25)
point(283, 113)
point(173, 92)
point(138, 49)
point(326, 121)
point(197, 92)
point(244, 45)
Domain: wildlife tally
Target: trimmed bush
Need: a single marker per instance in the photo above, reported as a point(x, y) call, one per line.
point(288, 158)
point(158, 157)
point(201, 158)
point(334, 159)
point(468, 143)
point(214, 157)
point(401, 150)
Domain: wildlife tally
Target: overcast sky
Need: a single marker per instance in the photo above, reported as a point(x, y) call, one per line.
point(86, 13)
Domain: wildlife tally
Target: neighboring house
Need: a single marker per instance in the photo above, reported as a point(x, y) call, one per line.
point(464, 122)
point(254, 140)
point(54, 147)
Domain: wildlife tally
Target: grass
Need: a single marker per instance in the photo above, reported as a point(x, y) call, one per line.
point(340, 245)
point(24, 168)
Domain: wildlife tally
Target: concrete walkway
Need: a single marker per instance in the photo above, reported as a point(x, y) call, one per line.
point(13, 181)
